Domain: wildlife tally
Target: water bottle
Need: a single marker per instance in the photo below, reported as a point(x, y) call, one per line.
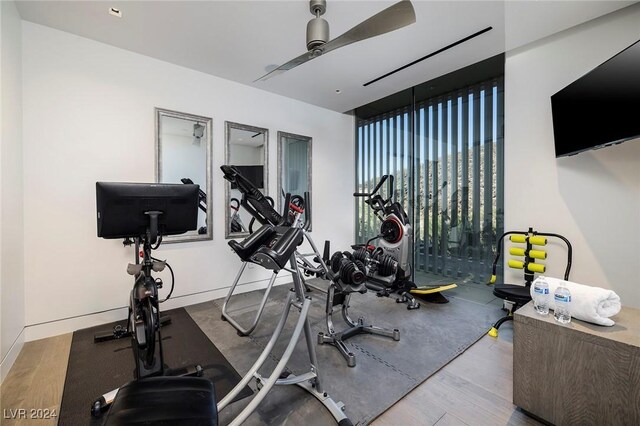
point(562, 298)
point(541, 296)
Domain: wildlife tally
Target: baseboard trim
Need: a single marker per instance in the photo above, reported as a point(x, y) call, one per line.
point(12, 355)
point(69, 325)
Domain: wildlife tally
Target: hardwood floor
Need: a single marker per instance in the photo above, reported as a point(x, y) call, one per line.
point(474, 389)
point(35, 383)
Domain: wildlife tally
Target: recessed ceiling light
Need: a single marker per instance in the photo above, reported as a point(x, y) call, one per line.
point(338, 91)
point(115, 12)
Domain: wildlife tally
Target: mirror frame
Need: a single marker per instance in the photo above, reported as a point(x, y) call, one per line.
point(309, 140)
point(228, 125)
point(159, 113)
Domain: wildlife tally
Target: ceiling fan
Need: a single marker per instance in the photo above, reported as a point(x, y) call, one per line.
point(390, 19)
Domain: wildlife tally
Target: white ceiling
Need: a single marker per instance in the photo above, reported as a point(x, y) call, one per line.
point(246, 137)
point(239, 40)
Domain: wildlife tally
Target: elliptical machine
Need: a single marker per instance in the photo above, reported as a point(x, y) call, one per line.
point(389, 264)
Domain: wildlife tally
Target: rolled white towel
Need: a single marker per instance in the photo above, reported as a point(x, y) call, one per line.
point(591, 304)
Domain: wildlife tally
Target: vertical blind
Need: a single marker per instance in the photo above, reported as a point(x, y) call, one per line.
point(446, 154)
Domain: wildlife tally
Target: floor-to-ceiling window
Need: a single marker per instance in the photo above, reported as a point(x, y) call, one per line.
point(446, 154)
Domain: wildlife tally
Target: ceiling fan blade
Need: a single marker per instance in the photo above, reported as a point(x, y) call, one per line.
point(392, 18)
point(306, 56)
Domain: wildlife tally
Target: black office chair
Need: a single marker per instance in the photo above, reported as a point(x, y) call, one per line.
point(519, 295)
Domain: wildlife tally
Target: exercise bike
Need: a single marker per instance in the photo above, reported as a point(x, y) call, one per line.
point(140, 212)
point(388, 265)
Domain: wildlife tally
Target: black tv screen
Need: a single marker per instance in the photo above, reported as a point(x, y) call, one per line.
point(255, 174)
point(601, 108)
point(121, 208)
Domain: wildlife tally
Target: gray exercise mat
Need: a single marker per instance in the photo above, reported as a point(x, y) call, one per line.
point(386, 370)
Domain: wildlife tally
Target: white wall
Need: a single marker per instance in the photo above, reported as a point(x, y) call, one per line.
point(12, 305)
point(592, 198)
point(244, 155)
point(181, 158)
point(88, 113)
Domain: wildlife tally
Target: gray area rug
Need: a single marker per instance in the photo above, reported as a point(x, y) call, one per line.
point(386, 370)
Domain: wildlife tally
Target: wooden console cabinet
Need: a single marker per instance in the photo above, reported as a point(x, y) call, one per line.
point(579, 373)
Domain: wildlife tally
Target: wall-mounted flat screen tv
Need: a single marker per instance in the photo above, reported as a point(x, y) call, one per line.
point(601, 108)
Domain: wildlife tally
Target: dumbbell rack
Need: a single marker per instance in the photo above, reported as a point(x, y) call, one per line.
point(337, 339)
point(343, 283)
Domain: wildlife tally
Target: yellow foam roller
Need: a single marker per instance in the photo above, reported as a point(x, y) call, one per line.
point(516, 264)
point(538, 241)
point(536, 267)
point(538, 254)
point(518, 238)
point(516, 251)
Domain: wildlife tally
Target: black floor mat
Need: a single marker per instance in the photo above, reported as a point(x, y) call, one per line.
point(96, 368)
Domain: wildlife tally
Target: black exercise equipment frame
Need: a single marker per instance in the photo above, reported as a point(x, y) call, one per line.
point(143, 317)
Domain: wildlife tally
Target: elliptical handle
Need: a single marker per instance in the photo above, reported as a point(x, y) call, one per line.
point(307, 211)
point(377, 187)
point(390, 187)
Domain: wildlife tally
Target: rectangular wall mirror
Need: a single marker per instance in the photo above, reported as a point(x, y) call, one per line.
point(294, 165)
point(246, 148)
point(183, 155)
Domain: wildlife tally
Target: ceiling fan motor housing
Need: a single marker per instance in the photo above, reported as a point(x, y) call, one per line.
point(317, 33)
point(317, 7)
